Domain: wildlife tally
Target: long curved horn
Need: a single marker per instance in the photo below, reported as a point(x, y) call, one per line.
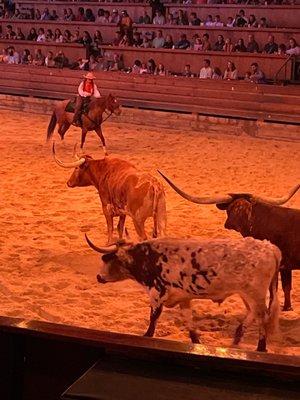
point(280, 200)
point(198, 200)
point(73, 164)
point(103, 250)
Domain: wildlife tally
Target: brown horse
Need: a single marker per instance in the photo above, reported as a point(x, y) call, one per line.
point(90, 122)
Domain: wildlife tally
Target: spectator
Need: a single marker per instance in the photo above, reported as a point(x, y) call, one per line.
point(137, 40)
point(252, 46)
point(80, 14)
point(257, 76)
point(76, 38)
point(217, 74)
point(32, 34)
point(115, 17)
point(217, 22)
point(92, 63)
point(281, 49)
point(49, 60)
point(24, 57)
point(98, 40)
point(197, 45)
point(240, 46)
point(147, 43)
point(171, 20)
point(293, 48)
point(39, 58)
point(125, 41)
point(151, 66)
point(89, 16)
point(117, 39)
point(209, 21)
point(61, 60)
point(67, 36)
point(160, 70)
point(101, 17)
point(240, 19)
point(219, 45)
point(247, 77)
point(69, 16)
point(182, 18)
point(156, 5)
point(168, 42)
point(183, 43)
point(144, 69)
point(159, 19)
point(10, 34)
point(20, 35)
point(145, 18)
point(230, 22)
point(46, 15)
point(54, 16)
point(58, 37)
point(231, 72)
point(117, 63)
point(187, 71)
point(125, 25)
point(194, 20)
point(37, 14)
point(41, 35)
point(206, 46)
point(271, 47)
point(228, 46)
point(106, 17)
point(159, 41)
point(136, 68)
point(252, 23)
point(263, 23)
point(4, 56)
point(49, 35)
point(206, 71)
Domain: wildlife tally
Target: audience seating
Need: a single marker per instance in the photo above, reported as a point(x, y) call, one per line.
point(108, 31)
point(278, 16)
point(72, 51)
point(220, 98)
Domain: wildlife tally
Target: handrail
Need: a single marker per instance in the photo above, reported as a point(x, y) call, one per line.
point(283, 65)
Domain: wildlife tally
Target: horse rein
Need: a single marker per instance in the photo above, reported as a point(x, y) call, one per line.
point(94, 122)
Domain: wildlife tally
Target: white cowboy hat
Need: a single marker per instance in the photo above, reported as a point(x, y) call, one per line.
point(89, 75)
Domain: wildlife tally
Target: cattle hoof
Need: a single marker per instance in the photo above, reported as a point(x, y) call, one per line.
point(287, 308)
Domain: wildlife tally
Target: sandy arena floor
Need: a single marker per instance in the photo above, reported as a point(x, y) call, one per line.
point(47, 272)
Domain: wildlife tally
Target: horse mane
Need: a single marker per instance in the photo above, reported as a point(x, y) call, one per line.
point(96, 102)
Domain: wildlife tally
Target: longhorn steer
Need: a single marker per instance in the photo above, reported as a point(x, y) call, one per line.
point(262, 218)
point(123, 191)
point(175, 271)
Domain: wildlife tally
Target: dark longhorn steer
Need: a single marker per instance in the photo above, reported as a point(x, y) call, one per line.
point(175, 271)
point(262, 218)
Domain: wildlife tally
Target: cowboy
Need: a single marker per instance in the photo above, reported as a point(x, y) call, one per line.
point(86, 90)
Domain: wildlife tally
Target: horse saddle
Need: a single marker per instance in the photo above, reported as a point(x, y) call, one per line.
point(70, 107)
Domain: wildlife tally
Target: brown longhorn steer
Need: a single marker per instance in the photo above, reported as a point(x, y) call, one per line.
point(262, 218)
point(123, 191)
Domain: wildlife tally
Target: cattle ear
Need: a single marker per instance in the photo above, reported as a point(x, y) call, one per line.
point(222, 206)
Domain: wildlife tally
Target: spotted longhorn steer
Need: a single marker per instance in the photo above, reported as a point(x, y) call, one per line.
point(123, 191)
point(175, 271)
point(261, 218)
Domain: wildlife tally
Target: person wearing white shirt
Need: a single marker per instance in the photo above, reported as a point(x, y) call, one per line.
point(159, 19)
point(41, 36)
point(206, 71)
point(158, 42)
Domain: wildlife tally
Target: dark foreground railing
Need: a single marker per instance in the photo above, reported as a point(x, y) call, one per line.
point(41, 360)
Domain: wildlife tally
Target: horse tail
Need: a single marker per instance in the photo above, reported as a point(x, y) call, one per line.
point(51, 126)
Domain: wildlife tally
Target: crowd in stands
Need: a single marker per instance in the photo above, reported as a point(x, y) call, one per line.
point(128, 36)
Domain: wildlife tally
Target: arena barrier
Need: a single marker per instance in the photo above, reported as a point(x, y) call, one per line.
point(108, 30)
point(277, 15)
point(41, 360)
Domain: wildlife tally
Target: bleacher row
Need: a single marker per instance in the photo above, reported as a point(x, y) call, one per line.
point(287, 16)
point(167, 93)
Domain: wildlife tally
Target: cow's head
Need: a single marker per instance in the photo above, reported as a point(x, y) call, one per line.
point(81, 175)
point(237, 205)
point(115, 261)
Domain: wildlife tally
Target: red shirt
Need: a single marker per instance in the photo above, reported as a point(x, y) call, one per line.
point(88, 87)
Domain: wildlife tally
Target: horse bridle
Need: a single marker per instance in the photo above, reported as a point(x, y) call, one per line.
point(94, 122)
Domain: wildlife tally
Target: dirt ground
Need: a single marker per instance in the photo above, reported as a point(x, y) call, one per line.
point(48, 273)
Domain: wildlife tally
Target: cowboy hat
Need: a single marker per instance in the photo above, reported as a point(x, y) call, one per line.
point(89, 75)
